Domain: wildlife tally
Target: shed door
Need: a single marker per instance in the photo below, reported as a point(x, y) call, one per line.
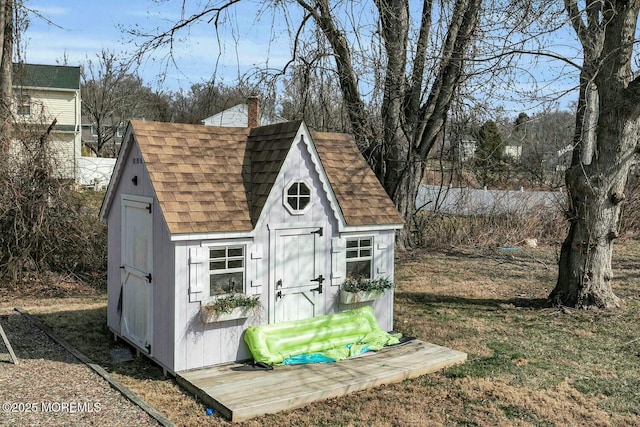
point(299, 262)
point(136, 269)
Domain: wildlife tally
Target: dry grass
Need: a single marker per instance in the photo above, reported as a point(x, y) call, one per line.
point(528, 365)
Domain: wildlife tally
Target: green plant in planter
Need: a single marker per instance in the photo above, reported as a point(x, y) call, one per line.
point(228, 303)
point(360, 284)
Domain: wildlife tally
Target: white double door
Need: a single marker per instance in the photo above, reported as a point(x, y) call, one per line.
point(300, 284)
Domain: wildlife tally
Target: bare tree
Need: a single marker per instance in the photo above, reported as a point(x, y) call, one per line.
point(546, 140)
point(419, 64)
point(6, 64)
point(206, 99)
point(111, 95)
point(606, 145)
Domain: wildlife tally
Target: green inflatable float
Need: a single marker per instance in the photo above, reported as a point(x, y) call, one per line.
point(320, 339)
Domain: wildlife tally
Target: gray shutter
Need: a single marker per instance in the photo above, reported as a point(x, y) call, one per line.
point(198, 270)
point(338, 261)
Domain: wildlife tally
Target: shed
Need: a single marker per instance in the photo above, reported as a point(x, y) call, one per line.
point(196, 212)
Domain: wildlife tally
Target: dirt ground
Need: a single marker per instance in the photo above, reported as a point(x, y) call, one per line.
point(529, 364)
point(51, 387)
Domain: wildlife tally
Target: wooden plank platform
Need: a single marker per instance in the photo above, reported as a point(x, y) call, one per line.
point(234, 393)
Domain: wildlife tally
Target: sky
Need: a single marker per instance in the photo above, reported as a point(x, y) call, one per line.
point(81, 29)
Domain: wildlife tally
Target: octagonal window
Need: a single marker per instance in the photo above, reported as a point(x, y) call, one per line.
point(298, 196)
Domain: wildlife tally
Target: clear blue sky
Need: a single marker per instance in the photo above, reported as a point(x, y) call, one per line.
point(83, 28)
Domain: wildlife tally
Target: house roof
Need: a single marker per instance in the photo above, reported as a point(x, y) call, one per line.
point(46, 76)
point(217, 179)
point(362, 199)
point(237, 116)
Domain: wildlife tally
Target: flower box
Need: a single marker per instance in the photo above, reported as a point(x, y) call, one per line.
point(210, 316)
point(360, 296)
point(230, 307)
point(355, 290)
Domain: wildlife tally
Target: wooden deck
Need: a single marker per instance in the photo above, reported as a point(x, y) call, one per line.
point(234, 393)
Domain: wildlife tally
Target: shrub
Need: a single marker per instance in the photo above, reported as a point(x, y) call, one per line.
point(45, 225)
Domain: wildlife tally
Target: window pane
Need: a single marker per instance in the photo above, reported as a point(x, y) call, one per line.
point(352, 254)
point(233, 252)
point(226, 283)
point(293, 190)
point(293, 202)
point(218, 253)
point(217, 265)
point(303, 202)
point(359, 269)
point(365, 242)
point(352, 243)
point(235, 263)
point(304, 190)
point(365, 253)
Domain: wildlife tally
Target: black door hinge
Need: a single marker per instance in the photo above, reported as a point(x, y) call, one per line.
point(318, 232)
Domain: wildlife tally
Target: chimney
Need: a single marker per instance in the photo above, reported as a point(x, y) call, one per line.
point(253, 111)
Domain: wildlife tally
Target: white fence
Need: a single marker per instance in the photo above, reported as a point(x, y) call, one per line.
point(467, 201)
point(94, 171)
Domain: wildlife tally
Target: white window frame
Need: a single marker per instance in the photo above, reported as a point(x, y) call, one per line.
point(227, 269)
point(359, 250)
point(285, 196)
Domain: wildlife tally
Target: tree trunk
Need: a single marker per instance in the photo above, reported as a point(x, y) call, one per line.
point(596, 192)
point(404, 197)
point(6, 56)
point(600, 166)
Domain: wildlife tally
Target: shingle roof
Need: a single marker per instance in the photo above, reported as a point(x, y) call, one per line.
point(217, 179)
point(361, 197)
point(46, 76)
point(197, 174)
point(269, 147)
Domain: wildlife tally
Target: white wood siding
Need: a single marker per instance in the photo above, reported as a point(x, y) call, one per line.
point(64, 106)
point(297, 166)
point(61, 105)
point(235, 117)
point(199, 344)
point(163, 288)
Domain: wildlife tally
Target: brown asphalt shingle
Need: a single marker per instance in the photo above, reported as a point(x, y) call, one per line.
point(360, 195)
point(217, 179)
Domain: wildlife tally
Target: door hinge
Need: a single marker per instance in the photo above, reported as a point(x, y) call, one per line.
point(318, 279)
point(148, 276)
point(149, 207)
point(148, 347)
point(318, 232)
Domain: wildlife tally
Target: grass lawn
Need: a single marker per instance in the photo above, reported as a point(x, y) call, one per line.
point(528, 365)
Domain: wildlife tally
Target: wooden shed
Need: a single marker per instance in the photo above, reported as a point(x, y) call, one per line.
point(197, 212)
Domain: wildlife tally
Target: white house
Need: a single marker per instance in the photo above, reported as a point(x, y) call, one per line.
point(47, 92)
point(197, 212)
point(241, 115)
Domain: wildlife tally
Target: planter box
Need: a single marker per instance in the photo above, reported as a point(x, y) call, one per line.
point(237, 313)
point(361, 296)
